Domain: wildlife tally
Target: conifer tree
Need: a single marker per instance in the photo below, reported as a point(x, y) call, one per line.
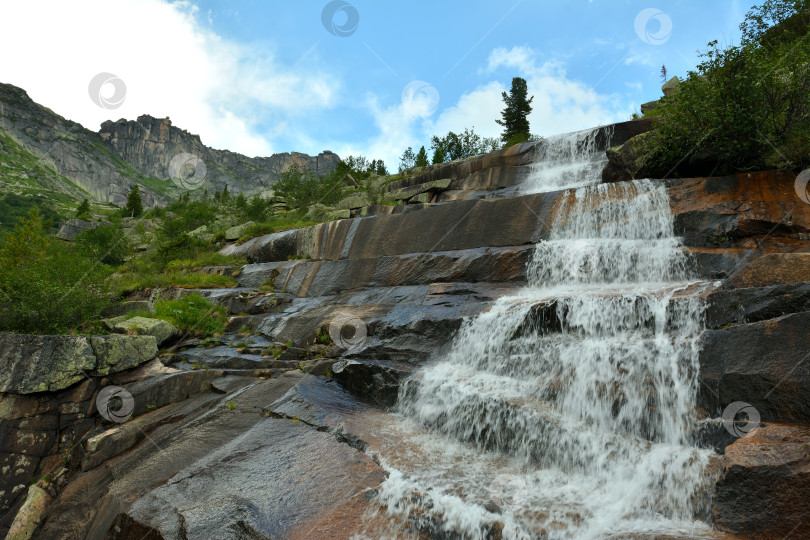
point(421, 158)
point(134, 207)
point(515, 116)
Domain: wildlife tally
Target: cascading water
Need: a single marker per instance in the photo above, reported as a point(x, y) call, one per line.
point(568, 161)
point(568, 406)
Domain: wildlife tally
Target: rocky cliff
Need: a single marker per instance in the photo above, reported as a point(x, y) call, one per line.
point(149, 145)
point(41, 151)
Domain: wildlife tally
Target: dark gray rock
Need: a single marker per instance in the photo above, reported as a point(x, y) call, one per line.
point(766, 364)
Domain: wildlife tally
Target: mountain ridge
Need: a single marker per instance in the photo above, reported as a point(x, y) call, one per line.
point(42, 151)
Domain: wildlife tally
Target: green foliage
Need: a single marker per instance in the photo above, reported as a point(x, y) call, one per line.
point(438, 155)
point(455, 146)
point(421, 158)
point(279, 222)
point(407, 160)
point(186, 215)
point(83, 211)
point(134, 207)
point(301, 188)
point(745, 107)
point(193, 315)
point(106, 244)
point(47, 286)
point(13, 207)
point(515, 117)
point(517, 138)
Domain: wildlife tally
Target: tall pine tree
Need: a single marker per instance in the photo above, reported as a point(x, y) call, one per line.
point(421, 158)
point(134, 207)
point(515, 116)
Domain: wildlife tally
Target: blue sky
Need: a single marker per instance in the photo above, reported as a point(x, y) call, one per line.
point(259, 77)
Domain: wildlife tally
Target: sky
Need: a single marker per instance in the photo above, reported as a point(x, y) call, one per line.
point(368, 77)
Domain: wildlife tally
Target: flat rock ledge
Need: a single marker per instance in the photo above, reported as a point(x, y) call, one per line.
point(33, 363)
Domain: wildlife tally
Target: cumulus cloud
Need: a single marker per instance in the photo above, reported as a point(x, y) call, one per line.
point(171, 63)
point(560, 104)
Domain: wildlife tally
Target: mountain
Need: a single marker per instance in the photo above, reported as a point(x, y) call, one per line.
point(45, 155)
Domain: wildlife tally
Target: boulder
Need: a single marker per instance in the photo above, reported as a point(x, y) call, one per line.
point(376, 382)
point(649, 106)
point(234, 233)
point(764, 486)
point(143, 326)
point(33, 363)
point(627, 162)
point(671, 86)
point(71, 228)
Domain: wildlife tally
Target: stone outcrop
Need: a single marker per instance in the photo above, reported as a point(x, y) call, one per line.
point(30, 364)
point(71, 228)
point(149, 144)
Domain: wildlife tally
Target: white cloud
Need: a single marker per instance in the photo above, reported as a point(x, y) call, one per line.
point(560, 104)
point(172, 66)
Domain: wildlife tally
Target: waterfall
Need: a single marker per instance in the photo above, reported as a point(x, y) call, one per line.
point(568, 405)
point(568, 161)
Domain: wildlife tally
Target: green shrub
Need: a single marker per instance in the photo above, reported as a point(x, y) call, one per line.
point(193, 315)
point(301, 188)
point(745, 107)
point(47, 286)
point(107, 244)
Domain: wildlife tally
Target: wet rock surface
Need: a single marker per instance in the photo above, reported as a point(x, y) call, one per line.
point(764, 486)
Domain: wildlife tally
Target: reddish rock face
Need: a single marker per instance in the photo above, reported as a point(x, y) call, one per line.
point(755, 210)
point(764, 488)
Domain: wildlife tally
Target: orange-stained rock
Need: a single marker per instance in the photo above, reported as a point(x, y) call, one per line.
point(753, 210)
point(764, 488)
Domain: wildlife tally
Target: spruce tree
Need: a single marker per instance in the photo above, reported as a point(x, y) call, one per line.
point(421, 158)
point(439, 155)
point(83, 211)
point(134, 207)
point(515, 116)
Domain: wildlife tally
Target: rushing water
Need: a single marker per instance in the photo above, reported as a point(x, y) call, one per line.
point(565, 411)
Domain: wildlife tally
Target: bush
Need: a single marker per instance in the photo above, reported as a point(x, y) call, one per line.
point(193, 315)
point(107, 244)
point(47, 286)
point(745, 107)
point(301, 188)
